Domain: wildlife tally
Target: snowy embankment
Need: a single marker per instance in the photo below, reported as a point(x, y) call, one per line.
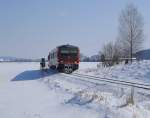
point(138, 71)
point(26, 92)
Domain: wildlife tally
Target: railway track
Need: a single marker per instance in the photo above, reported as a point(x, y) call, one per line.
point(98, 80)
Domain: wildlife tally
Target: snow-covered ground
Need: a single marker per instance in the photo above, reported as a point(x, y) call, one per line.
point(138, 71)
point(26, 92)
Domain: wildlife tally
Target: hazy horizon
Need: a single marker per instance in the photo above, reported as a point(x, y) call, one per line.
point(30, 29)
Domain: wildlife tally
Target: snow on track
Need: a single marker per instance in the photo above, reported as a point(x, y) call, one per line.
point(97, 80)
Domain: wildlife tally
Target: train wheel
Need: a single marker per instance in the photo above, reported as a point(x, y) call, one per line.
point(60, 70)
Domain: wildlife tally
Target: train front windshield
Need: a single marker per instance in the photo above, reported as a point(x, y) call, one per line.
point(69, 52)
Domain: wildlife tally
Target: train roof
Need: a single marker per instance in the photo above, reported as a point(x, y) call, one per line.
point(67, 46)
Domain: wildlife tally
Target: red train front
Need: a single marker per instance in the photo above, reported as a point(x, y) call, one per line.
point(65, 58)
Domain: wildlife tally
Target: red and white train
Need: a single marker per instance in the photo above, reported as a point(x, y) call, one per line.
point(64, 58)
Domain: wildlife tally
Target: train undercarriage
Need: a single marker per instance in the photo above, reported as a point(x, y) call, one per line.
point(66, 68)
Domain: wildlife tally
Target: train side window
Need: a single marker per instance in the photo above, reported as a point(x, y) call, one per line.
point(51, 56)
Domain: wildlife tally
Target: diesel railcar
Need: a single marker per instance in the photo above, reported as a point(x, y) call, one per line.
point(64, 58)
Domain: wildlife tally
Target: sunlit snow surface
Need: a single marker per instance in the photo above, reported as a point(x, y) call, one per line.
point(26, 92)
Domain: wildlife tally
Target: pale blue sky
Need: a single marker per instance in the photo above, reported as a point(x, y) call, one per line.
point(31, 28)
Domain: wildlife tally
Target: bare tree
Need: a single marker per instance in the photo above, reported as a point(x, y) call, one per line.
point(108, 50)
point(130, 31)
point(110, 54)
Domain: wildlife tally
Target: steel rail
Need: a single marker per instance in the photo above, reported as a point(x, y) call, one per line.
point(108, 80)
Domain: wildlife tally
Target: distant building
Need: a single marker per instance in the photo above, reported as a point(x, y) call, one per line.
point(143, 55)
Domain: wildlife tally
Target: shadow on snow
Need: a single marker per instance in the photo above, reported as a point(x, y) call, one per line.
point(33, 75)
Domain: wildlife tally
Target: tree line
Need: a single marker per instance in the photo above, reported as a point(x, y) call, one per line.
point(130, 36)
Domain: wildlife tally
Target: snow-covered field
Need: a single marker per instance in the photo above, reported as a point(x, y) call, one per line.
point(26, 92)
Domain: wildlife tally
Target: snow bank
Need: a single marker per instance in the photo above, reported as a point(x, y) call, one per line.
point(138, 71)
